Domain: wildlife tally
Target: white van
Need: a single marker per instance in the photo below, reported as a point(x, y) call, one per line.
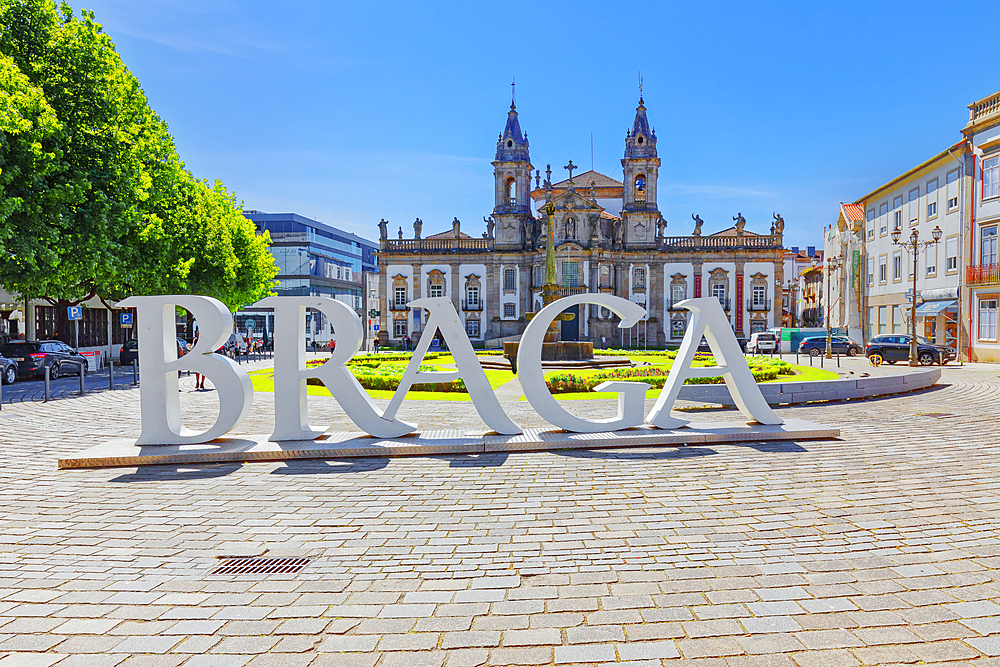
point(762, 342)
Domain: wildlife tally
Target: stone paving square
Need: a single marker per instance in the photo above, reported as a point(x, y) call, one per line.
point(881, 547)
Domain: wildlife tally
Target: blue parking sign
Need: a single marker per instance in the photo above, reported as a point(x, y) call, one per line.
point(75, 312)
point(126, 320)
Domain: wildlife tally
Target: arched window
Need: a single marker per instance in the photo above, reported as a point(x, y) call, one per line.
point(640, 188)
point(605, 276)
point(511, 190)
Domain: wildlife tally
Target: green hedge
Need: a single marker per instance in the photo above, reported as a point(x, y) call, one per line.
point(563, 383)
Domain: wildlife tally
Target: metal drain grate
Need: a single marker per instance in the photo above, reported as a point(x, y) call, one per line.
point(261, 566)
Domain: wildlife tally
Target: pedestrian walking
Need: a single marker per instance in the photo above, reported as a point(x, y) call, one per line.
point(199, 379)
point(375, 345)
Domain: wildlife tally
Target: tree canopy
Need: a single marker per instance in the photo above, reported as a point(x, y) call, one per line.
point(94, 199)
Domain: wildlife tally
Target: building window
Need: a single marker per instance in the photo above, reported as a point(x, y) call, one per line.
point(759, 296)
point(871, 271)
point(882, 321)
point(881, 270)
point(511, 191)
point(870, 222)
point(678, 293)
point(989, 246)
point(509, 279)
point(437, 290)
point(914, 205)
point(570, 274)
point(605, 276)
point(509, 310)
point(988, 319)
point(951, 254)
point(399, 328)
point(677, 328)
point(719, 292)
point(991, 170)
point(930, 259)
point(639, 278)
point(897, 267)
point(640, 188)
point(400, 296)
point(472, 328)
point(472, 297)
point(951, 186)
point(897, 211)
point(931, 209)
point(757, 325)
point(883, 220)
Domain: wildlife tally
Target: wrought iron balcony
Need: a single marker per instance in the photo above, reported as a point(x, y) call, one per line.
point(758, 305)
point(472, 304)
point(984, 274)
point(398, 305)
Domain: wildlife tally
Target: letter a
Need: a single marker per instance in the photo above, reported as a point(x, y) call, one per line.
point(708, 320)
point(444, 317)
point(159, 406)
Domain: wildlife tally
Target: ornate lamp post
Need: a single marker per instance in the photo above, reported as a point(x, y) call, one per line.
point(913, 246)
point(832, 264)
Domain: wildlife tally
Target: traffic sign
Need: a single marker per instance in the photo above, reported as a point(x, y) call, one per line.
point(75, 312)
point(373, 312)
point(376, 327)
point(126, 320)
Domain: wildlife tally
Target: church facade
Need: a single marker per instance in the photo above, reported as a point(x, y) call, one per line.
point(609, 238)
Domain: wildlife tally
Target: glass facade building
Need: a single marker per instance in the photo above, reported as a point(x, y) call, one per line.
point(313, 259)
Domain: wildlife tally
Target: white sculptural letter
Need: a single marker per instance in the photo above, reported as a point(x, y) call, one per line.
point(529, 368)
point(290, 373)
point(444, 317)
point(158, 365)
point(709, 320)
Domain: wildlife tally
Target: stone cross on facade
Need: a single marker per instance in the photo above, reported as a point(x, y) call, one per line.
point(570, 167)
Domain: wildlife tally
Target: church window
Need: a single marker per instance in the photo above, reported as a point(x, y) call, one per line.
point(511, 191)
point(639, 278)
point(605, 276)
point(570, 274)
point(509, 279)
point(640, 188)
point(509, 310)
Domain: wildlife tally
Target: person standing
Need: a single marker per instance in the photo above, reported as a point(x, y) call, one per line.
point(375, 345)
point(199, 379)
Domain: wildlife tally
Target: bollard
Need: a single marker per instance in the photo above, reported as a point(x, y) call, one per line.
point(83, 370)
point(135, 372)
point(111, 373)
point(822, 361)
point(1, 394)
point(46, 384)
point(838, 360)
point(810, 360)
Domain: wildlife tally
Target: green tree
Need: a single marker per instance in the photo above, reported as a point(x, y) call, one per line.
point(103, 207)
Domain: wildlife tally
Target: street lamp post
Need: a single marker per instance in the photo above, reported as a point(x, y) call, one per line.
point(832, 264)
point(914, 245)
point(793, 286)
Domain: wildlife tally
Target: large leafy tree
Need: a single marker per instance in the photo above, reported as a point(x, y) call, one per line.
point(98, 202)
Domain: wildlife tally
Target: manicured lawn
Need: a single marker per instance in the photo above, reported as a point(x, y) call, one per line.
point(263, 380)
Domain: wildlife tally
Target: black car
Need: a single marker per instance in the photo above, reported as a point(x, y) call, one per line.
point(33, 357)
point(896, 347)
point(129, 353)
point(816, 345)
point(8, 370)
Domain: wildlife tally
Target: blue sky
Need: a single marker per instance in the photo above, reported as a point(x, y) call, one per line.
point(352, 112)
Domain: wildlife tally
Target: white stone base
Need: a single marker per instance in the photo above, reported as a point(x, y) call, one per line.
point(122, 452)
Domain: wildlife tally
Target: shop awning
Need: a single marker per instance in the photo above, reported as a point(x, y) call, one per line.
point(934, 308)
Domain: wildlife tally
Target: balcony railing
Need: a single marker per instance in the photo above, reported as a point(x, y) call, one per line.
point(987, 106)
point(570, 291)
point(435, 245)
point(683, 243)
point(469, 304)
point(983, 274)
point(758, 305)
point(398, 305)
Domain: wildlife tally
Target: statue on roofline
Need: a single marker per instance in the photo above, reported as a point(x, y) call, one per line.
point(698, 222)
point(741, 222)
point(383, 229)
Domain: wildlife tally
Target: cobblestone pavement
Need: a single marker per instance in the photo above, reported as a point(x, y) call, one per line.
point(881, 548)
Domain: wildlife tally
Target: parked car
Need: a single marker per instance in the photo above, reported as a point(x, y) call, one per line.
point(236, 344)
point(816, 345)
point(761, 342)
point(129, 354)
point(33, 357)
point(896, 347)
point(8, 370)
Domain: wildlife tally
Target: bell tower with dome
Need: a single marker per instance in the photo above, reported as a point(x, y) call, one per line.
point(512, 181)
